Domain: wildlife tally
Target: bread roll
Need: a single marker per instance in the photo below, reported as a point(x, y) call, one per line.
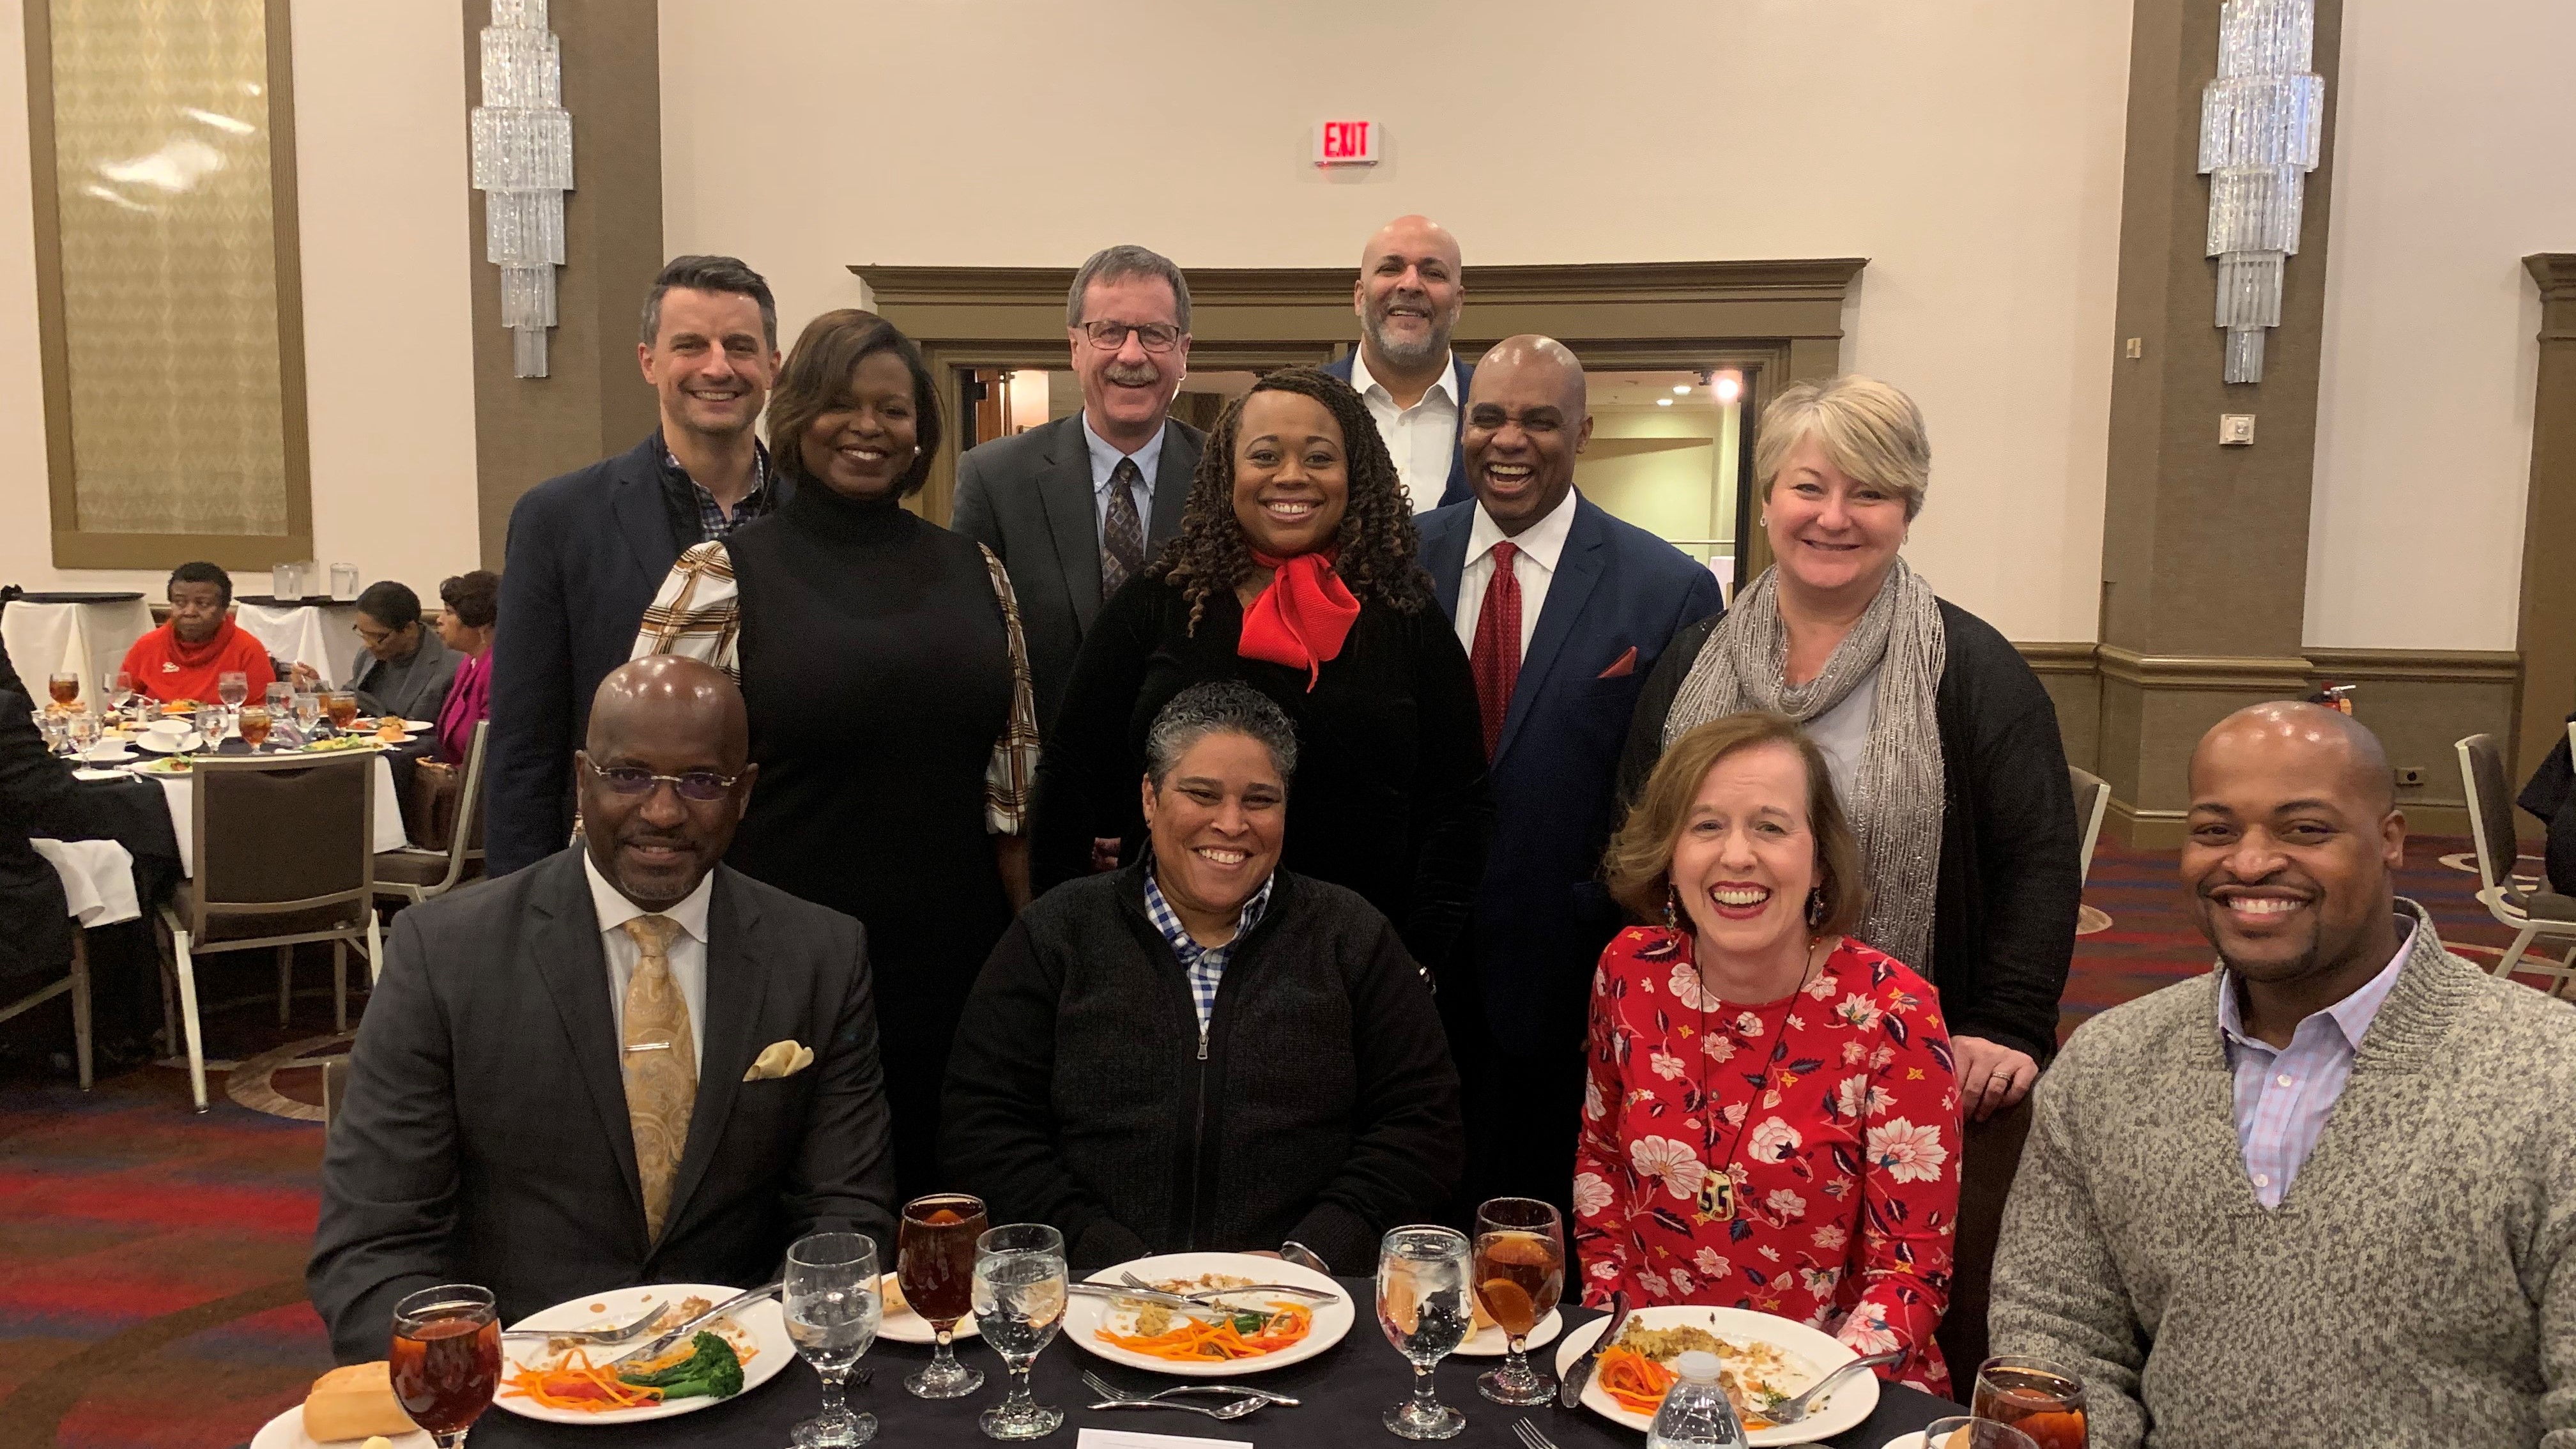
point(355, 1402)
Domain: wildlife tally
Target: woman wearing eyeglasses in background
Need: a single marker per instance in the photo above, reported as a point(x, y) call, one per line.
point(891, 717)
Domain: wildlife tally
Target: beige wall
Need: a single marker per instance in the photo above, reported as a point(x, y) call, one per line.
point(1972, 152)
point(2451, 164)
point(380, 91)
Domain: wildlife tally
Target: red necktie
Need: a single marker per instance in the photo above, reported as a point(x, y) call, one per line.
point(1496, 657)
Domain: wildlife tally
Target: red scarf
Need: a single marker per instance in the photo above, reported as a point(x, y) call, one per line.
point(1303, 617)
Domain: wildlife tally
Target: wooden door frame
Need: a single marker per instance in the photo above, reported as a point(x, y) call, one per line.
point(1775, 321)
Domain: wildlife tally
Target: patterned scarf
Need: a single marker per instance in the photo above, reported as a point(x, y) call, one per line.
point(1896, 804)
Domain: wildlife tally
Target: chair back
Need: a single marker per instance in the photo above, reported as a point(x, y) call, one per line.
point(2092, 798)
point(465, 840)
point(2490, 797)
point(335, 1088)
point(289, 833)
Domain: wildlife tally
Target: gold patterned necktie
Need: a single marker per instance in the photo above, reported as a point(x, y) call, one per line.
point(660, 1064)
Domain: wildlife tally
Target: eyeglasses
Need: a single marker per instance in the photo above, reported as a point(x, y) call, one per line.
point(1152, 336)
point(699, 785)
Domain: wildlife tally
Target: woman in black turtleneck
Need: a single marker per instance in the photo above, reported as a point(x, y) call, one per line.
point(891, 716)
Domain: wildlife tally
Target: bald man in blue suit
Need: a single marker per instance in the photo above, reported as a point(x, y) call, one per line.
point(1560, 649)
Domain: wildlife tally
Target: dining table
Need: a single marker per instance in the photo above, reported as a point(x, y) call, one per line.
point(1343, 1392)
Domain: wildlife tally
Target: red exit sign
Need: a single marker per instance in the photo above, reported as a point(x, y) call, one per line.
point(1347, 143)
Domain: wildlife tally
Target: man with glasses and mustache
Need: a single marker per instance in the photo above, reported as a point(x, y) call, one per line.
point(1408, 296)
point(2325, 1194)
point(625, 1064)
point(1078, 507)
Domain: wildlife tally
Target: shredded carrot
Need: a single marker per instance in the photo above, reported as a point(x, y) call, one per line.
point(580, 1386)
point(1636, 1381)
point(1199, 1341)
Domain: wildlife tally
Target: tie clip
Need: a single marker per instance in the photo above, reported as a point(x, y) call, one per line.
point(650, 1046)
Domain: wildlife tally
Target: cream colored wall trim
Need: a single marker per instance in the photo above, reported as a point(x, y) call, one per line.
point(2184, 671)
point(2428, 666)
point(2058, 658)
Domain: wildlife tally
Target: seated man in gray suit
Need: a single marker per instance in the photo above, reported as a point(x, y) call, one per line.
point(626, 1064)
point(1076, 508)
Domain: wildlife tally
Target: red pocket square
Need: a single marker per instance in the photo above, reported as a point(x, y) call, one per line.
point(1622, 667)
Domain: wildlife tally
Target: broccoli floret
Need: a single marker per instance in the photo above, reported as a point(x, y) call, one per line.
point(712, 1372)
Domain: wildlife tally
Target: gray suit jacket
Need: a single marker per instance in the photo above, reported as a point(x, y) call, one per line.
point(1029, 499)
point(485, 1137)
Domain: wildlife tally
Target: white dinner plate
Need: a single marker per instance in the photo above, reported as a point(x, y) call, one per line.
point(1901, 1441)
point(1085, 1315)
point(420, 726)
point(767, 1326)
point(1494, 1343)
point(108, 752)
point(1844, 1409)
point(286, 1431)
point(155, 745)
point(910, 1327)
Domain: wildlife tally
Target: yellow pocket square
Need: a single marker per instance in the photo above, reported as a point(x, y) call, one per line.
point(780, 1059)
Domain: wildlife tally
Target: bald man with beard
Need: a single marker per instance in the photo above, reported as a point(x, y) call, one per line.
point(1410, 290)
point(626, 1064)
point(1563, 611)
point(2324, 1195)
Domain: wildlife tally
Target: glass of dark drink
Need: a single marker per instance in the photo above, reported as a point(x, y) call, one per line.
point(446, 1359)
point(255, 723)
point(2044, 1400)
point(64, 688)
point(342, 706)
point(935, 1267)
point(1519, 1274)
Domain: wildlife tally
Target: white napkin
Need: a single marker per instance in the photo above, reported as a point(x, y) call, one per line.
point(98, 774)
point(98, 879)
point(1127, 1439)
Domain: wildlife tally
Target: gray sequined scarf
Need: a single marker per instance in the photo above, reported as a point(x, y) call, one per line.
point(1897, 806)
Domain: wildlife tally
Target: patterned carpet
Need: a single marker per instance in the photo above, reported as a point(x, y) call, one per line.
point(151, 1261)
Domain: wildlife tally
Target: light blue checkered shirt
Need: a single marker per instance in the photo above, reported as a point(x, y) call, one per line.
point(2285, 1095)
point(1205, 965)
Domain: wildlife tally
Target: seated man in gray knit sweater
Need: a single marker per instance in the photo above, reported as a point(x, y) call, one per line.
point(2324, 1195)
point(1203, 1051)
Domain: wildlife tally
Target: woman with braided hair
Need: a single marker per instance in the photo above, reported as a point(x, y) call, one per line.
point(1294, 573)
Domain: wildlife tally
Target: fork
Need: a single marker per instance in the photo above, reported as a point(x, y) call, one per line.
point(1107, 1390)
point(1531, 1437)
point(1235, 1410)
point(652, 1313)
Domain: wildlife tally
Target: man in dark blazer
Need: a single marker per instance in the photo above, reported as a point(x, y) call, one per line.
point(1559, 656)
point(1076, 508)
point(1408, 297)
point(586, 550)
point(508, 1122)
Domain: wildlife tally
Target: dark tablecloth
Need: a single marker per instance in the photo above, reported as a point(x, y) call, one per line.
point(1346, 1389)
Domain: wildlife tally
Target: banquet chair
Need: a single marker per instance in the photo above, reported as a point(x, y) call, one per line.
point(2529, 910)
point(415, 875)
point(77, 984)
point(2092, 799)
point(283, 854)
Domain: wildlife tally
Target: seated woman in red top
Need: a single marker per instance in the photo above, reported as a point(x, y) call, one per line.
point(188, 657)
point(1771, 1122)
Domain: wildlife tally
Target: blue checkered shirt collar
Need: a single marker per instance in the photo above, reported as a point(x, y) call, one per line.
point(1205, 965)
point(713, 521)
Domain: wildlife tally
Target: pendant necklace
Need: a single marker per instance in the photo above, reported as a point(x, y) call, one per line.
point(1716, 1196)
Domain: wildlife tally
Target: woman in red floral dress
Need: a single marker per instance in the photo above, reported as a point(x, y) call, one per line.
point(1772, 1122)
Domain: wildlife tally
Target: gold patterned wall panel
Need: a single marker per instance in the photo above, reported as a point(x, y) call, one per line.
point(173, 372)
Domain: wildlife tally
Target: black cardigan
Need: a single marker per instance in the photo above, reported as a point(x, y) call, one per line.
point(1321, 1106)
point(2003, 914)
point(1390, 799)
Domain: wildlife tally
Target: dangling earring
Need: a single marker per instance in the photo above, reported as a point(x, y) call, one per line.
point(1815, 907)
point(1672, 910)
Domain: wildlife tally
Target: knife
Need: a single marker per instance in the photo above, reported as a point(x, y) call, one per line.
point(1173, 1301)
point(1570, 1393)
point(662, 1342)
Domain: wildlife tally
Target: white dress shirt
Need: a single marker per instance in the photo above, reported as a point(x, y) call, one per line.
point(686, 955)
point(1534, 567)
point(1423, 439)
point(1104, 462)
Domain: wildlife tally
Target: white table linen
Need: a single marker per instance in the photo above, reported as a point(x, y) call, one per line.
point(180, 791)
point(98, 879)
point(87, 640)
point(322, 635)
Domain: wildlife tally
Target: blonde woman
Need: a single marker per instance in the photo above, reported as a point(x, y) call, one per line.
point(1942, 743)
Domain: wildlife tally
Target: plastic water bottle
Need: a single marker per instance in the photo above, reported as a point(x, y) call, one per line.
point(1695, 1413)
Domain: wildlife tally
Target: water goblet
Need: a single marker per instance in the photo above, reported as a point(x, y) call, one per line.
point(1520, 1274)
point(210, 726)
point(446, 1359)
point(1020, 1286)
point(1422, 1307)
point(833, 1307)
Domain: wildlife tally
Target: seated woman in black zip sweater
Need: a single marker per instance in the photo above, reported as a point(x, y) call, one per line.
point(1203, 1051)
